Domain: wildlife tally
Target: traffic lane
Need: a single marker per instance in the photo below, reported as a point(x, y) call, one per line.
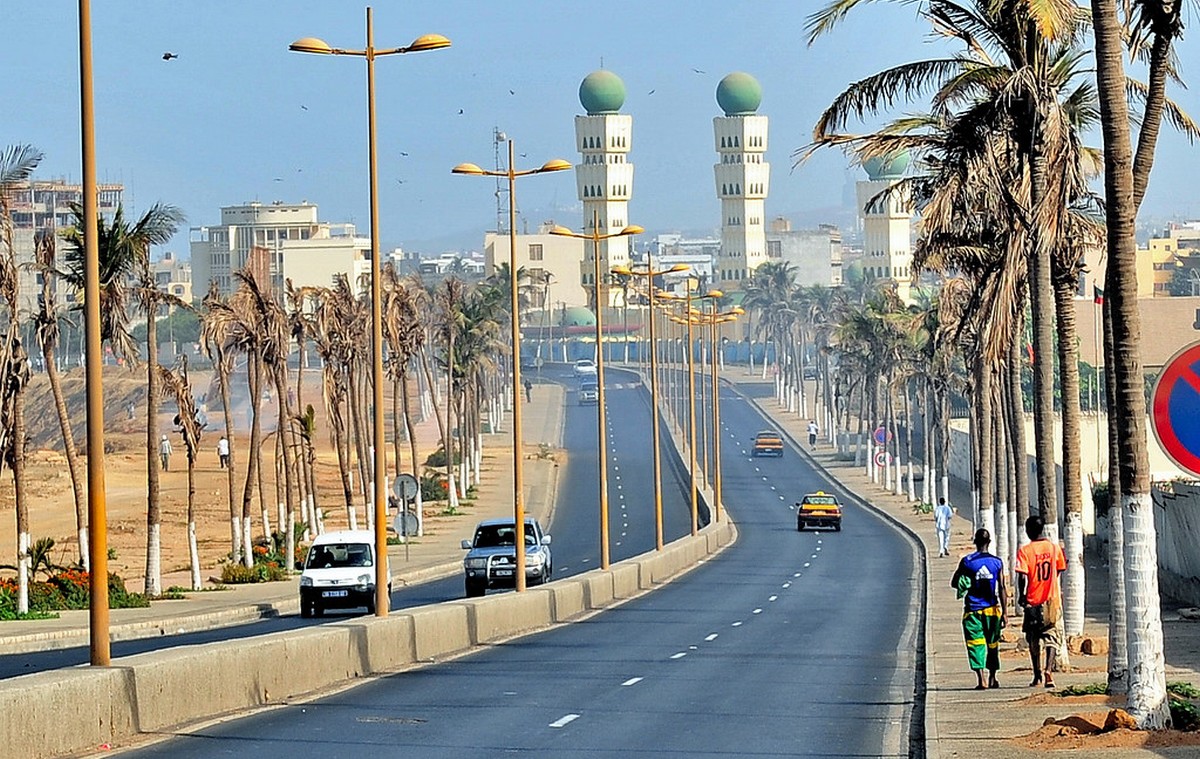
point(785, 644)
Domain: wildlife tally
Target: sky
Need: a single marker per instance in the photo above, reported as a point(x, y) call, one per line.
point(237, 117)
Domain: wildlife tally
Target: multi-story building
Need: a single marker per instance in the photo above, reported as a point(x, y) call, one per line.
point(698, 253)
point(173, 276)
point(814, 254)
point(1170, 265)
point(551, 264)
point(44, 206)
point(742, 179)
point(469, 266)
point(886, 223)
point(604, 176)
point(277, 242)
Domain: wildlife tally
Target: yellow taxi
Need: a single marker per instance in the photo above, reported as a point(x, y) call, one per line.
point(819, 509)
point(767, 443)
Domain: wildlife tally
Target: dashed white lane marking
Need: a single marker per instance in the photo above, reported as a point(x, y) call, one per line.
point(772, 487)
point(790, 507)
point(618, 542)
point(787, 585)
point(757, 611)
point(564, 720)
point(631, 681)
point(811, 557)
point(772, 599)
point(758, 470)
point(679, 655)
point(736, 624)
point(693, 648)
point(797, 574)
point(764, 479)
point(624, 535)
point(818, 548)
point(781, 498)
point(710, 638)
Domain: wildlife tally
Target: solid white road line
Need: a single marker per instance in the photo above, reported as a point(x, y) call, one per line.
point(564, 720)
point(631, 681)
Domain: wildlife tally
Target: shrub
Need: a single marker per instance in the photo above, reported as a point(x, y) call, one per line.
point(437, 459)
point(68, 589)
point(239, 574)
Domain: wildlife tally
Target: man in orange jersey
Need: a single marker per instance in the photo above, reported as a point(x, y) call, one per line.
point(1038, 566)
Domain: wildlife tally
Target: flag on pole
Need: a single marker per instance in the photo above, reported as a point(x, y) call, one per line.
point(1097, 295)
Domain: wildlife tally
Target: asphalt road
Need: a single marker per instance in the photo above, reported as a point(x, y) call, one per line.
point(575, 527)
point(786, 644)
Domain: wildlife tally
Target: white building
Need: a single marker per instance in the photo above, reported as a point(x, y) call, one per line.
point(466, 266)
point(699, 253)
point(887, 224)
point(814, 254)
point(604, 176)
point(742, 179)
point(173, 276)
point(277, 242)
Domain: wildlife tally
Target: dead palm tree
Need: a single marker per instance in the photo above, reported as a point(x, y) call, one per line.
point(17, 163)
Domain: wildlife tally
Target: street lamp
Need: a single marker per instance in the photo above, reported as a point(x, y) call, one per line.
point(602, 416)
point(712, 319)
point(688, 318)
point(470, 169)
point(379, 464)
point(649, 273)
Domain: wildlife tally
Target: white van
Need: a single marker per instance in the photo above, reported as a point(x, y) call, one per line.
point(339, 572)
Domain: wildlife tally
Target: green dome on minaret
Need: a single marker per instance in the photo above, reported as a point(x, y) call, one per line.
point(887, 167)
point(602, 92)
point(739, 94)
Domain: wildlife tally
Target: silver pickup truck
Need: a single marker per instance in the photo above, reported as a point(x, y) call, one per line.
point(491, 560)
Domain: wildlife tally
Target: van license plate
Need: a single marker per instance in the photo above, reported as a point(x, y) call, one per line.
point(335, 594)
point(504, 573)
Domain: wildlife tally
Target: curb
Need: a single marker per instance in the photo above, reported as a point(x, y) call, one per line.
point(922, 728)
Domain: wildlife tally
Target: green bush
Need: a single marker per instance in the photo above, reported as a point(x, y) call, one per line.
point(437, 459)
point(68, 589)
point(239, 574)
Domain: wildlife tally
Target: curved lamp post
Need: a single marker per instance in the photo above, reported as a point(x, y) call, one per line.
point(712, 319)
point(602, 415)
point(649, 273)
point(688, 319)
point(379, 466)
point(470, 169)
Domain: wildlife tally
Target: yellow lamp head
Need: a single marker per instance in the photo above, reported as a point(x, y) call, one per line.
point(556, 164)
point(467, 168)
point(427, 42)
point(311, 45)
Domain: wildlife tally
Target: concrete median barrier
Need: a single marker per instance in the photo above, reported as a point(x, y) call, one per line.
point(625, 580)
point(439, 631)
point(566, 599)
point(597, 588)
point(499, 617)
point(65, 712)
point(383, 644)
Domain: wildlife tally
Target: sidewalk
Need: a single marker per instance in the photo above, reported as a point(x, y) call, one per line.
point(435, 555)
point(963, 722)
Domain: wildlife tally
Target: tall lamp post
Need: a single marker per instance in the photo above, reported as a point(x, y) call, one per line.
point(712, 319)
point(470, 169)
point(649, 273)
point(379, 465)
point(688, 319)
point(602, 415)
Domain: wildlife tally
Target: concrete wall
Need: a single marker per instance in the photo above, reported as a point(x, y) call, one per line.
point(1177, 523)
point(78, 710)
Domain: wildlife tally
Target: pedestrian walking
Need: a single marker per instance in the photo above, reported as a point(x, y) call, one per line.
point(164, 452)
point(1039, 564)
point(979, 580)
point(528, 391)
point(943, 516)
point(812, 433)
point(131, 411)
point(223, 451)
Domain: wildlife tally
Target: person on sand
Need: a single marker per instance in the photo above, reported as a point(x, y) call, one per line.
point(164, 452)
point(1038, 565)
point(979, 580)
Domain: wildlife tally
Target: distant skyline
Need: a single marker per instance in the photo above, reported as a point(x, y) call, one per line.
point(236, 117)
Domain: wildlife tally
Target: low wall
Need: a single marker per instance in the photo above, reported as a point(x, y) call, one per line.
point(73, 711)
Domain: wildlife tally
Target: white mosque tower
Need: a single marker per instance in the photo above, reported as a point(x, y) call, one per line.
point(742, 179)
point(604, 176)
point(887, 224)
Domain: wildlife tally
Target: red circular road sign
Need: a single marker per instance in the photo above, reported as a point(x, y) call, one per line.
point(1175, 409)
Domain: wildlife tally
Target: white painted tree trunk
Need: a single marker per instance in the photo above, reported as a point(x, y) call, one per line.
point(975, 523)
point(84, 557)
point(280, 514)
point(946, 485)
point(194, 556)
point(318, 517)
point(290, 544)
point(887, 472)
point(987, 520)
point(1118, 628)
point(247, 544)
point(1014, 540)
point(452, 493)
point(352, 515)
point(1147, 700)
point(154, 561)
point(1073, 578)
point(23, 573)
point(266, 521)
point(912, 487)
point(420, 514)
point(369, 507)
point(235, 529)
point(1001, 534)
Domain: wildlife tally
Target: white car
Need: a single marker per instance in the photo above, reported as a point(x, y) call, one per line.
point(585, 367)
point(339, 572)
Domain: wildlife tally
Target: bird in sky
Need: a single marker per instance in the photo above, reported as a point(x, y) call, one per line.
point(169, 56)
point(511, 92)
point(460, 111)
point(698, 71)
point(651, 92)
point(277, 179)
point(403, 153)
point(304, 108)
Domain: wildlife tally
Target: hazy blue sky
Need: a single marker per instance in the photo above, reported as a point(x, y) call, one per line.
point(237, 117)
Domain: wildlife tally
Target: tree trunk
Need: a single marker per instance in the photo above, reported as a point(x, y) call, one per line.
point(69, 447)
point(1118, 628)
point(987, 465)
point(1068, 362)
point(289, 491)
point(1003, 482)
point(255, 456)
point(20, 491)
point(193, 549)
point(1016, 436)
point(1147, 677)
point(235, 519)
point(153, 509)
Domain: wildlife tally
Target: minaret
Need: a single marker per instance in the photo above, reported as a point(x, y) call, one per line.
point(604, 176)
point(887, 224)
point(742, 178)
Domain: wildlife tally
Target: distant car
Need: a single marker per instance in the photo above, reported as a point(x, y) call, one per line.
point(819, 509)
point(768, 443)
point(810, 373)
point(491, 561)
point(585, 367)
point(339, 572)
point(589, 393)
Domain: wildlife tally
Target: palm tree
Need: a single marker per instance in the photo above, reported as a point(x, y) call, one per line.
point(332, 337)
point(17, 163)
point(405, 336)
point(1155, 24)
point(124, 250)
point(179, 386)
point(48, 333)
point(218, 345)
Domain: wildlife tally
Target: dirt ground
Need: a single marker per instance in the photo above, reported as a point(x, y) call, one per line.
point(1082, 727)
point(51, 506)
